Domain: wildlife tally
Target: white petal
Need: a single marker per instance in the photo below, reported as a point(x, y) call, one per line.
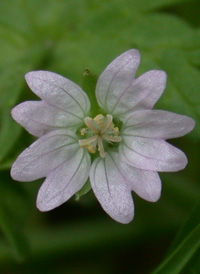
point(111, 189)
point(146, 184)
point(44, 155)
point(60, 92)
point(119, 96)
point(38, 117)
point(64, 181)
point(155, 81)
point(116, 78)
point(142, 90)
point(157, 124)
point(151, 154)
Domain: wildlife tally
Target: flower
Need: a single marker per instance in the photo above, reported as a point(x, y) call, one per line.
point(126, 139)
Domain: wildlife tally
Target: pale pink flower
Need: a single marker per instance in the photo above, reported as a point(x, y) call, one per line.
point(127, 138)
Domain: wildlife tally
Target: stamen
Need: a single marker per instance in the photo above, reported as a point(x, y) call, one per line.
point(113, 139)
point(88, 141)
point(116, 130)
point(101, 148)
point(108, 123)
point(88, 122)
point(100, 129)
point(99, 119)
point(92, 148)
point(83, 131)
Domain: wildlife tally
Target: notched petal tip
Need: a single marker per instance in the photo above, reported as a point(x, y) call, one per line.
point(35, 77)
point(18, 112)
point(124, 219)
point(160, 76)
point(155, 196)
point(16, 174)
point(15, 112)
point(30, 75)
point(134, 53)
point(13, 173)
point(190, 125)
point(43, 205)
point(118, 214)
point(34, 73)
point(46, 200)
point(183, 162)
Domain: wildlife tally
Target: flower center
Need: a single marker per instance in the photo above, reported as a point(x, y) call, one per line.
point(99, 130)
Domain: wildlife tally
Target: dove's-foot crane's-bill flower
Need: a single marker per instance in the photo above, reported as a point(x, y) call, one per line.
point(126, 139)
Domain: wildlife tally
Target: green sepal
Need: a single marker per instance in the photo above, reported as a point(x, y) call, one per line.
point(84, 190)
point(89, 81)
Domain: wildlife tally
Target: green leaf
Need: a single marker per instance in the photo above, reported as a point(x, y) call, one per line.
point(177, 260)
point(14, 233)
point(147, 5)
point(14, 197)
point(158, 31)
point(22, 142)
point(14, 207)
point(12, 82)
point(192, 222)
point(183, 90)
point(193, 57)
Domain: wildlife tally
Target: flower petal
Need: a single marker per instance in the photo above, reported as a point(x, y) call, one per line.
point(60, 92)
point(143, 91)
point(44, 155)
point(119, 96)
point(38, 117)
point(111, 189)
point(155, 81)
point(157, 124)
point(116, 78)
point(64, 181)
point(146, 184)
point(151, 154)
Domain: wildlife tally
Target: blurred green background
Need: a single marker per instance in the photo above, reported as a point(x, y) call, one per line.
point(67, 36)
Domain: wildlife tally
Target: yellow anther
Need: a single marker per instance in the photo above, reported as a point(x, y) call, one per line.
point(91, 148)
point(116, 130)
point(83, 131)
